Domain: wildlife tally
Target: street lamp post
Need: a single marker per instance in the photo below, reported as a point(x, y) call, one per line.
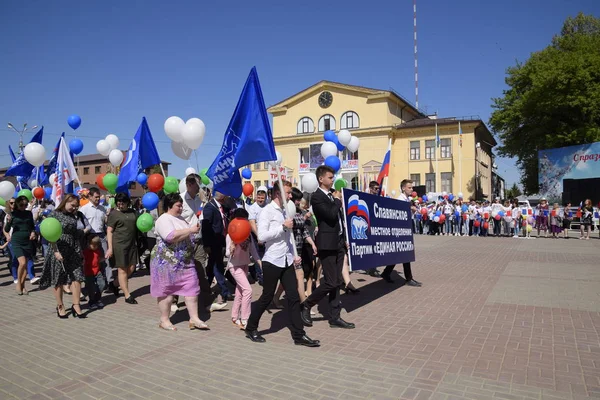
point(21, 133)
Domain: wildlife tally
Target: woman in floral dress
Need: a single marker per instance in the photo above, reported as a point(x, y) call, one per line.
point(172, 268)
point(64, 262)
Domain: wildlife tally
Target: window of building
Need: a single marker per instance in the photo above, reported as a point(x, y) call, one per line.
point(327, 122)
point(305, 125)
point(266, 165)
point(354, 183)
point(415, 150)
point(416, 178)
point(347, 155)
point(349, 120)
point(97, 169)
point(256, 185)
point(86, 170)
point(446, 182)
point(446, 148)
point(429, 149)
point(430, 183)
point(256, 166)
point(304, 155)
point(266, 183)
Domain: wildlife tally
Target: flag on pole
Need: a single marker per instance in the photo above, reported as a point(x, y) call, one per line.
point(21, 180)
point(385, 169)
point(248, 140)
point(459, 134)
point(20, 167)
point(65, 172)
point(51, 168)
point(141, 154)
point(12, 154)
point(437, 136)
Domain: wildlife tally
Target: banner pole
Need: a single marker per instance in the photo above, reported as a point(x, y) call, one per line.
point(284, 207)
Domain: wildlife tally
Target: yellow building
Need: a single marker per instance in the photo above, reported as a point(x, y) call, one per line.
point(377, 117)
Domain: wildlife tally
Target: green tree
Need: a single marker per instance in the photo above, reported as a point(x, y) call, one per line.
point(513, 192)
point(553, 99)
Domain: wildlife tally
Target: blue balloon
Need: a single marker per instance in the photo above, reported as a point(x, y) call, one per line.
point(48, 192)
point(333, 162)
point(465, 208)
point(76, 146)
point(450, 197)
point(438, 213)
point(74, 121)
point(150, 201)
point(501, 213)
point(424, 197)
point(246, 173)
point(330, 136)
point(340, 146)
point(142, 178)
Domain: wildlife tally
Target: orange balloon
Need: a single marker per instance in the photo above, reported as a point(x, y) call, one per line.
point(442, 218)
point(155, 182)
point(239, 230)
point(486, 225)
point(247, 189)
point(39, 193)
point(99, 179)
point(83, 201)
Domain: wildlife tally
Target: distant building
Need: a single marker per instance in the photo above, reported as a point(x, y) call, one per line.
point(91, 165)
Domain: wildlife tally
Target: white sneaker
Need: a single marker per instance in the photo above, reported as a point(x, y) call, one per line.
point(217, 306)
point(34, 280)
point(174, 307)
point(313, 311)
point(16, 281)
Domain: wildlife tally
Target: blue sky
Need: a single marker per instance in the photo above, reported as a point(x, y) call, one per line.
point(113, 62)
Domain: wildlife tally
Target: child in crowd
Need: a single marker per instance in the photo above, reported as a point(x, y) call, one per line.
point(93, 257)
point(239, 259)
point(516, 222)
point(555, 221)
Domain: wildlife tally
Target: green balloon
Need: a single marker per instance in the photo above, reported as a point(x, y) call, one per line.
point(340, 183)
point(145, 222)
point(205, 179)
point(111, 202)
point(110, 182)
point(26, 193)
point(2, 202)
point(203, 171)
point(171, 185)
point(51, 229)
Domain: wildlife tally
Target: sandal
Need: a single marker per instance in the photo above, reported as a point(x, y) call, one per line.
point(201, 326)
point(167, 328)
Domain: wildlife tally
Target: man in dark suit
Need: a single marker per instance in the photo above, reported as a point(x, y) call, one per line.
point(214, 231)
point(331, 246)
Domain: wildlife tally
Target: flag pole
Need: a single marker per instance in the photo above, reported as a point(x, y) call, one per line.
point(435, 149)
point(284, 207)
point(460, 188)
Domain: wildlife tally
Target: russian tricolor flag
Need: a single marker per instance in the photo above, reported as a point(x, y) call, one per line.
point(385, 170)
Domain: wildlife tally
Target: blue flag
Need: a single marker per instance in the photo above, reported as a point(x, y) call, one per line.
point(51, 168)
point(20, 167)
point(248, 140)
point(142, 154)
point(12, 154)
point(21, 180)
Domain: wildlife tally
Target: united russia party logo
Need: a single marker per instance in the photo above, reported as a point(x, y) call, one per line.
point(359, 222)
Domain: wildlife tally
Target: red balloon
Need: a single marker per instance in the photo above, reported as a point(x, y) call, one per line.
point(247, 189)
point(509, 213)
point(155, 182)
point(413, 194)
point(578, 214)
point(420, 200)
point(486, 215)
point(497, 217)
point(486, 225)
point(99, 179)
point(476, 224)
point(423, 211)
point(39, 193)
point(446, 197)
point(465, 216)
point(239, 230)
point(442, 218)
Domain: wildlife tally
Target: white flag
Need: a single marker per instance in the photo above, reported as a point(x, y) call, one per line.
point(65, 172)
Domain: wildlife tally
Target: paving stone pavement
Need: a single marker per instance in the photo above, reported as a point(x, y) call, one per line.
point(497, 318)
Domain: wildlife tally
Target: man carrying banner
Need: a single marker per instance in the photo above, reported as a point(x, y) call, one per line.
point(278, 265)
point(406, 187)
point(331, 246)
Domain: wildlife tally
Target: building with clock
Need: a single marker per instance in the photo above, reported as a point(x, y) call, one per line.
point(462, 160)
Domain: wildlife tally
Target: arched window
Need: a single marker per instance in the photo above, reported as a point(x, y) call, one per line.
point(327, 122)
point(305, 125)
point(349, 120)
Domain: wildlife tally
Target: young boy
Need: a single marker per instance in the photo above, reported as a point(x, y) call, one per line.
point(94, 280)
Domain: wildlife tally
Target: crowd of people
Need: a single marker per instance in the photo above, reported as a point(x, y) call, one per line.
point(297, 245)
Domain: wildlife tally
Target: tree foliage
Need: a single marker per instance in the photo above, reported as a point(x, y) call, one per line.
point(513, 192)
point(553, 99)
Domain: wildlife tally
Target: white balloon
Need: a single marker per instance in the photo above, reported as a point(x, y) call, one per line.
point(7, 190)
point(115, 157)
point(103, 147)
point(32, 183)
point(52, 179)
point(393, 192)
point(173, 128)
point(460, 195)
point(328, 149)
point(444, 193)
point(193, 133)
point(182, 186)
point(181, 150)
point(344, 137)
point(35, 154)
point(113, 141)
point(353, 144)
point(190, 171)
point(290, 209)
point(310, 183)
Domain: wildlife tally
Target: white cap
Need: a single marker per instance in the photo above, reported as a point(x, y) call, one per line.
point(262, 189)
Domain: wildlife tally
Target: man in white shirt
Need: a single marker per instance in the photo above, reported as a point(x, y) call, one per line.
point(406, 187)
point(278, 265)
point(254, 212)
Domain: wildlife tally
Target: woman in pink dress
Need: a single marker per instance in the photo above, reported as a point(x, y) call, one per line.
point(172, 269)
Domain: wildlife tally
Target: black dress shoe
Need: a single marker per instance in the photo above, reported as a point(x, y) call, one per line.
point(387, 278)
point(374, 273)
point(306, 341)
point(351, 289)
point(412, 282)
point(130, 300)
point(340, 323)
point(305, 315)
point(255, 336)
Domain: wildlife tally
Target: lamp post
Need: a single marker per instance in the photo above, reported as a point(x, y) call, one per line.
point(21, 133)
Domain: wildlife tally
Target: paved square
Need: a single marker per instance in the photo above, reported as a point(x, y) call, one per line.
point(497, 318)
